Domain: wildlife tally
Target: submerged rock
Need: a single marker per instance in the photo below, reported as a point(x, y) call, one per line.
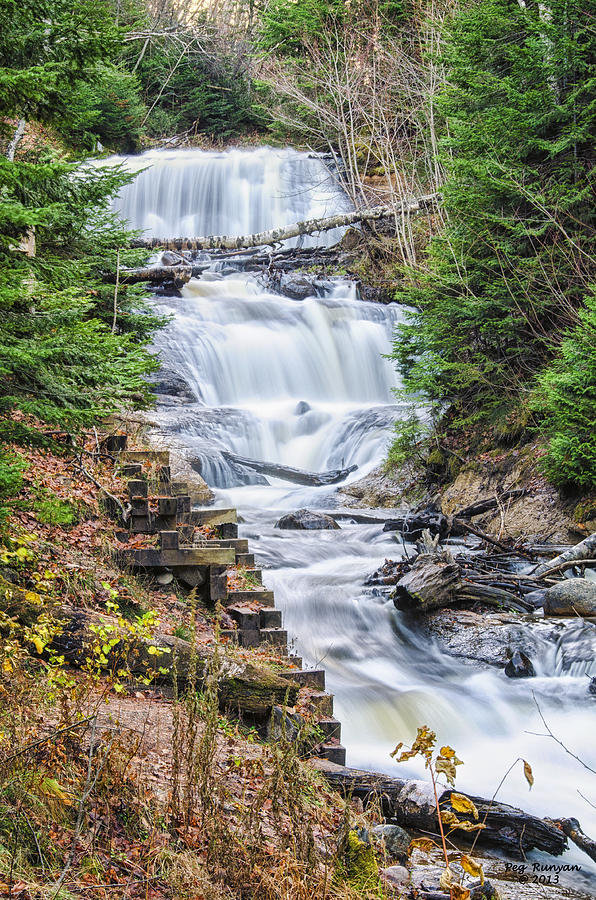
point(519, 666)
point(306, 520)
point(572, 597)
point(302, 407)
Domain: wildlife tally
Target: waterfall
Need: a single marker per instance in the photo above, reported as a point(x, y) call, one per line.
point(305, 383)
point(190, 193)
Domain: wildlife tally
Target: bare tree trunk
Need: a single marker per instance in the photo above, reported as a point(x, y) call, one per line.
point(275, 235)
point(16, 140)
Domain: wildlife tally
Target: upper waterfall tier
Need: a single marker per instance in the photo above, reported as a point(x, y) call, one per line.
point(190, 193)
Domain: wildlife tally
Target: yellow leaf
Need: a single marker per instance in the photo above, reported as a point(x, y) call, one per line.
point(458, 892)
point(32, 597)
point(7, 666)
point(447, 751)
point(39, 644)
point(119, 688)
point(446, 879)
point(472, 867)
point(528, 773)
point(463, 804)
point(424, 844)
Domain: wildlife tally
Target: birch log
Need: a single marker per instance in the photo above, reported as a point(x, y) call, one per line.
point(586, 549)
point(276, 235)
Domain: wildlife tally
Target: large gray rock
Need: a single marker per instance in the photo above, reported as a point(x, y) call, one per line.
point(168, 383)
point(396, 841)
point(306, 520)
point(519, 665)
point(572, 597)
point(396, 876)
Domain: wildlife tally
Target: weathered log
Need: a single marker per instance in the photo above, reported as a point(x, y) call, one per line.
point(434, 583)
point(275, 235)
point(482, 506)
point(287, 473)
point(242, 687)
point(584, 550)
point(180, 275)
point(412, 525)
point(411, 804)
point(427, 587)
point(573, 830)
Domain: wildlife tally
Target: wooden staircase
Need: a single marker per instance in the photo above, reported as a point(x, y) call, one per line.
point(160, 509)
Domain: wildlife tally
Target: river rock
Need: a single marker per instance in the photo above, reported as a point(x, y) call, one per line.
point(170, 384)
point(572, 597)
point(169, 258)
point(306, 520)
point(302, 407)
point(296, 287)
point(592, 686)
point(396, 841)
point(396, 876)
point(519, 666)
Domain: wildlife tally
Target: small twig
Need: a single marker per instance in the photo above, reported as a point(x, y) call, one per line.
point(485, 537)
point(556, 739)
point(570, 564)
point(50, 737)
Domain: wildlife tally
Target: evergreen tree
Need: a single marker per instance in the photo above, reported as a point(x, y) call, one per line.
point(510, 273)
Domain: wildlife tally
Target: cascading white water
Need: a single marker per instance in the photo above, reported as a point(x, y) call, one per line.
point(189, 193)
point(304, 383)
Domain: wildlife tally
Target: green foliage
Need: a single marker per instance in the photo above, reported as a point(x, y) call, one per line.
point(567, 399)
point(506, 278)
point(287, 24)
point(54, 511)
point(11, 480)
point(108, 108)
point(47, 46)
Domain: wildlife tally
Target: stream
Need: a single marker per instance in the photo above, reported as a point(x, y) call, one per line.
point(304, 383)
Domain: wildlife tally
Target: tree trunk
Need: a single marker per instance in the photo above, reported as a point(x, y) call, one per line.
point(16, 140)
point(276, 235)
point(411, 804)
point(572, 829)
point(287, 473)
point(586, 549)
point(156, 274)
point(429, 586)
point(242, 687)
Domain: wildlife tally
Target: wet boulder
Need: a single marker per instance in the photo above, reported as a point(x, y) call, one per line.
point(296, 287)
point(519, 665)
point(395, 840)
point(306, 520)
point(592, 686)
point(302, 407)
point(169, 258)
point(572, 597)
point(168, 383)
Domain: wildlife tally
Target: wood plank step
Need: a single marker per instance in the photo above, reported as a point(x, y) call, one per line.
point(240, 545)
point(245, 559)
point(276, 636)
point(269, 618)
point(213, 516)
point(322, 703)
point(330, 728)
point(247, 619)
point(265, 598)
point(186, 556)
point(312, 678)
point(332, 751)
point(159, 457)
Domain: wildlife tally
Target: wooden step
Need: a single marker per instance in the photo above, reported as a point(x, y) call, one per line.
point(132, 470)
point(330, 728)
point(269, 618)
point(151, 558)
point(322, 703)
point(245, 559)
point(332, 751)
point(247, 619)
point(157, 457)
point(276, 636)
point(265, 598)
point(213, 516)
point(312, 678)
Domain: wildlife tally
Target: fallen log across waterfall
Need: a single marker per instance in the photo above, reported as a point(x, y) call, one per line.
point(276, 235)
point(287, 473)
point(411, 804)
